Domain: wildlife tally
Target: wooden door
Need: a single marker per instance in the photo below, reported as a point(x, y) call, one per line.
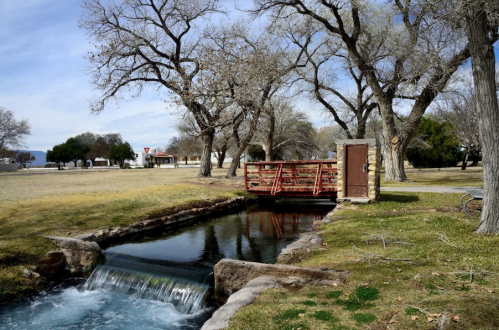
point(355, 170)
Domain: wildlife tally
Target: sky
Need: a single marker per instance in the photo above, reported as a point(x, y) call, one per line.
point(43, 79)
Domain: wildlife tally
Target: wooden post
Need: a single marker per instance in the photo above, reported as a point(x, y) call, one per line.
point(245, 176)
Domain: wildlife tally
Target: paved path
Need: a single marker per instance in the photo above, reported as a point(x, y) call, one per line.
point(456, 190)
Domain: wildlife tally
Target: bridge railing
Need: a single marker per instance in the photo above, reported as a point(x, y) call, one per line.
point(309, 178)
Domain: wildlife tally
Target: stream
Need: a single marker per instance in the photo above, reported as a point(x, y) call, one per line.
point(166, 283)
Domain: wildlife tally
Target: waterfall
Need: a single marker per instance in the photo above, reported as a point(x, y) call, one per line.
point(183, 286)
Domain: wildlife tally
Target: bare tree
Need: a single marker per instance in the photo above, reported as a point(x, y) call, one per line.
point(141, 43)
point(253, 69)
point(459, 109)
point(415, 56)
point(173, 146)
point(188, 146)
point(222, 145)
point(7, 153)
point(12, 131)
point(325, 139)
point(481, 25)
point(285, 132)
point(24, 157)
point(329, 77)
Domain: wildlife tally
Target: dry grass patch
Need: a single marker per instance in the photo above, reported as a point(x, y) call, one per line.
point(69, 204)
point(413, 267)
point(448, 176)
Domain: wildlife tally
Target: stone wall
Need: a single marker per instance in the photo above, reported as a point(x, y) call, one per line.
point(373, 167)
point(115, 235)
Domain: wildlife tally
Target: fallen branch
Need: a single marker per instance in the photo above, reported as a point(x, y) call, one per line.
point(443, 237)
point(370, 257)
point(385, 238)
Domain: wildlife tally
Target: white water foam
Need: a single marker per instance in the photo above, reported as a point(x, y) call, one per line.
point(187, 297)
point(72, 309)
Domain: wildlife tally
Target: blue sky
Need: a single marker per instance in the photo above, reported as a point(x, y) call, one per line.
point(43, 79)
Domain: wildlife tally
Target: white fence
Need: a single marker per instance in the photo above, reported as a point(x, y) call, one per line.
point(8, 167)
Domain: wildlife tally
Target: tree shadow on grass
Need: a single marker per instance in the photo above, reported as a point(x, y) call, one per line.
point(399, 198)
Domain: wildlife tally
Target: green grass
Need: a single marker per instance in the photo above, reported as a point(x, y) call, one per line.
point(364, 318)
point(333, 294)
point(366, 294)
point(431, 261)
point(309, 303)
point(288, 314)
point(412, 311)
point(324, 316)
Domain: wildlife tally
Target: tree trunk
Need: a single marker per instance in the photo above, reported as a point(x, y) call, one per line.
point(269, 153)
point(393, 146)
point(231, 172)
point(393, 156)
point(483, 63)
point(475, 157)
point(221, 157)
point(207, 137)
point(361, 125)
point(465, 160)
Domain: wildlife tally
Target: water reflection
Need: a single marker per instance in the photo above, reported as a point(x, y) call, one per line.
point(256, 235)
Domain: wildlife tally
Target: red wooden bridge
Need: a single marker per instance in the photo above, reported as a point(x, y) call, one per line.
point(309, 178)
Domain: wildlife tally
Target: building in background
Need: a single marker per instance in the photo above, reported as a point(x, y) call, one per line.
point(143, 158)
point(8, 165)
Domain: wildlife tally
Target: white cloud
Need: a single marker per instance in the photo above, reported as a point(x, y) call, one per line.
point(41, 67)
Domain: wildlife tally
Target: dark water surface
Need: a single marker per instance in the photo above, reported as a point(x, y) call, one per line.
point(163, 284)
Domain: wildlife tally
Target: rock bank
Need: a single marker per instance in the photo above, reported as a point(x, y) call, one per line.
point(75, 258)
point(244, 297)
point(299, 250)
point(232, 275)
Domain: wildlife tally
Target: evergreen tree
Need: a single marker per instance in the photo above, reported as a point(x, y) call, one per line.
point(120, 152)
point(440, 147)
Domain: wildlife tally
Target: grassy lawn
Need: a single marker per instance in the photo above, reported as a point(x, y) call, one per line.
point(449, 176)
point(72, 203)
point(415, 263)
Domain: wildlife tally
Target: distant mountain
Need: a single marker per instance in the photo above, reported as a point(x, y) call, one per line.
point(40, 157)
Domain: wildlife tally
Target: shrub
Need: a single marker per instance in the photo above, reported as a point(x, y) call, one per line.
point(442, 148)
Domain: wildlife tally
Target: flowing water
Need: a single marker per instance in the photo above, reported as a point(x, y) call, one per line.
point(165, 283)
